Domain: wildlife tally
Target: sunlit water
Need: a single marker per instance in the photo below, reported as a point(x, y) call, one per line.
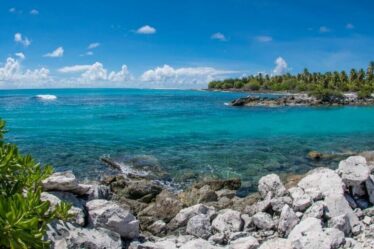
point(185, 133)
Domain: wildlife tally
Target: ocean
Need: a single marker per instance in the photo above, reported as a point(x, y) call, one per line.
point(187, 134)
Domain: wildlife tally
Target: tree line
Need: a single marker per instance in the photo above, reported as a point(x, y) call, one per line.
point(360, 81)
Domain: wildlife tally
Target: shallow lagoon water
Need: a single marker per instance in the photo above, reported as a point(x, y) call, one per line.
point(185, 133)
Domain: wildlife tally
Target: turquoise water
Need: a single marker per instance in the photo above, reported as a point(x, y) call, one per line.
point(185, 133)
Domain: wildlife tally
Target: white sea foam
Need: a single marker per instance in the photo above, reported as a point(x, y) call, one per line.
point(46, 97)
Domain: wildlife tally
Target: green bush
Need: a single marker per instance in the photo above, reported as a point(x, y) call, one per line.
point(327, 95)
point(23, 216)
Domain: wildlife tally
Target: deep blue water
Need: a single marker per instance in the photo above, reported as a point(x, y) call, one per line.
point(184, 132)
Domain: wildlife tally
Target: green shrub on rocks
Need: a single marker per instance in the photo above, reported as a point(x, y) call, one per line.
point(23, 216)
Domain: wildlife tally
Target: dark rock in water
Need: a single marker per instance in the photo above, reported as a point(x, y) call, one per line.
point(315, 155)
point(139, 189)
point(215, 185)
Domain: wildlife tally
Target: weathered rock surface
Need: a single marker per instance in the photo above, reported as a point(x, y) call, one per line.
point(277, 244)
point(248, 242)
point(67, 236)
point(271, 183)
point(109, 215)
point(199, 226)
point(287, 221)
point(228, 220)
point(182, 218)
point(61, 181)
point(354, 170)
point(263, 221)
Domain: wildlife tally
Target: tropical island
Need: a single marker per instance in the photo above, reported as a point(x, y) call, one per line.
point(306, 88)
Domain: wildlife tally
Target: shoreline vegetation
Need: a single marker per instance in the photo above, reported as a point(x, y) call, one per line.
point(323, 208)
point(306, 88)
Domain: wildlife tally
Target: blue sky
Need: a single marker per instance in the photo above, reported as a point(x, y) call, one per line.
point(178, 44)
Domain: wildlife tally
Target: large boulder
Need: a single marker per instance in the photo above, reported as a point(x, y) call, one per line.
point(317, 210)
point(247, 242)
point(278, 203)
point(199, 226)
point(228, 220)
point(309, 234)
point(139, 189)
point(76, 210)
point(354, 170)
point(109, 215)
point(322, 180)
point(271, 183)
point(287, 221)
point(263, 221)
point(60, 181)
point(259, 206)
point(182, 218)
point(67, 236)
point(301, 201)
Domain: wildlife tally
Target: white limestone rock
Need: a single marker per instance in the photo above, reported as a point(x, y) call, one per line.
point(287, 221)
point(60, 181)
point(109, 215)
point(369, 183)
point(271, 183)
point(317, 210)
point(185, 214)
point(354, 170)
point(228, 220)
point(263, 221)
point(199, 226)
point(248, 242)
point(277, 244)
point(198, 244)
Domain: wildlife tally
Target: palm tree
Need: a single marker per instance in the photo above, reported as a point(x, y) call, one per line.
point(370, 71)
point(353, 75)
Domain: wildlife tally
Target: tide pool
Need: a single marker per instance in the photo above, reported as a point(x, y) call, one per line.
point(185, 133)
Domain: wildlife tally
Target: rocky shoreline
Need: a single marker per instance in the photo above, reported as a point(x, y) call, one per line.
point(323, 209)
point(301, 100)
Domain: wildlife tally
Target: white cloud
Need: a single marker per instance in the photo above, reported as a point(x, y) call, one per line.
point(12, 75)
point(264, 38)
point(324, 29)
point(97, 73)
point(34, 12)
point(146, 30)
point(58, 52)
point(20, 55)
point(218, 36)
point(89, 53)
point(23, 40)
point(12, 10)
point(281, 66)
point(349, 26)
point(168, 76)
point(93, 45)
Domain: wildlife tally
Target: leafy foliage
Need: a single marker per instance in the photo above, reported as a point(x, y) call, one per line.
point(23, 215)
point(357, 81)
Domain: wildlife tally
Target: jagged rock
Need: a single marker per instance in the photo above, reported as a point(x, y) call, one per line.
point(354, 170)
point(218, 238)
point(352, 203)
point(314, 193)
point(158, 228)
point(141, 188)
point(65, 235)
point(245, 243)
point(237, 235)
point(260, 206)
point(98, 191)
point(287, 221)
point(82, 189)
point(215, 185)
point(206, 195)
point(165, 207)
point(308, 234)
point(109, 215)
point(248, 222)
point(317, 210)
point(301, 201)
point(77, 209)
point(278, 203)
point(369, 212)
point(324, 180)
point(271, 183)
point(337, 205)
point(277, 244)
point(60, 181)
point(228, 220)
point(199, 226)
point(185, 214)
point(197, 244)
point(263, 221)
point(359, 190)
point(362, 203)
point(369, 183)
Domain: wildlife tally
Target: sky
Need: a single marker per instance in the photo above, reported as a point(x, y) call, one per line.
point(177, 44)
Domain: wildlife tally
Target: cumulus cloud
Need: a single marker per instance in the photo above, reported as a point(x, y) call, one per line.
point(349, 26)
point(18, 38)
point(146, 30)
point(264, 38)
point(20, 55)
point(58, 52)
point(97, 73)
point(324, 29)
point(180, 77)
point(93, 45)
point(34, 12)
point(12, 75)
point(281, 66)
point(218, 36)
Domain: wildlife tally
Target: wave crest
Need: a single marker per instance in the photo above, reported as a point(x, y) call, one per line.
point(46, 97)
